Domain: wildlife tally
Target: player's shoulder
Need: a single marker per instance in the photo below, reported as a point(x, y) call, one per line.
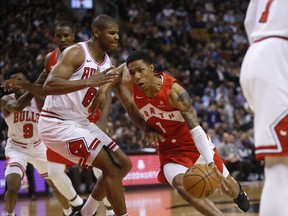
point(176, 90)
point(74, 48)
point(6, 98)
point(4, 102)
point(73, 53)
point(176, 86)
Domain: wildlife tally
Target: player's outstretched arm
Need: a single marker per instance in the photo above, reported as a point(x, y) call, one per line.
point(181, 100)
point(34, 88)
point(10, 105)
point(69, 61)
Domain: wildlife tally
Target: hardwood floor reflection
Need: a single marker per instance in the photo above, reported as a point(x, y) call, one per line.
point(163, 201)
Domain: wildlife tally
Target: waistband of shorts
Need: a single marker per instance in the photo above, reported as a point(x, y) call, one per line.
point(25, 145)
point(49, 114)
point(272, 36)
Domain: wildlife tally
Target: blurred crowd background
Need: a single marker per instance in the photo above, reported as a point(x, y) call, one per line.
point(200, 42)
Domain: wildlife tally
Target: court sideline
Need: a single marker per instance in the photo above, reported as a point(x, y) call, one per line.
point(156, 201)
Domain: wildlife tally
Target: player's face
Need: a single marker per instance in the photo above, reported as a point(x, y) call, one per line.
point(141, 73)
point(20, 77)
point(109, 38)
point(64, 37)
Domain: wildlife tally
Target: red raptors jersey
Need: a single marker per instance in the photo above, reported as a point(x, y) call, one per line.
point(53, 59)
point(169, 122)
point(179, 146)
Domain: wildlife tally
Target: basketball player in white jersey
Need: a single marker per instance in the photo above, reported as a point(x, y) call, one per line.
point(71, 87)
point(264, 80)
point(21, 113)
point(64, 37)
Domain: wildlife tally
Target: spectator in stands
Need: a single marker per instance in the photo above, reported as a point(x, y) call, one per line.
point(229, 153)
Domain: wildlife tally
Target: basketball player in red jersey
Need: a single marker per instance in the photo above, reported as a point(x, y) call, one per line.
point(167, 108)
point(264, 78)
point(21, 112)
point(71, 86)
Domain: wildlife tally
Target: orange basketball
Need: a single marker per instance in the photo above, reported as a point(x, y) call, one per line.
point(200, 181)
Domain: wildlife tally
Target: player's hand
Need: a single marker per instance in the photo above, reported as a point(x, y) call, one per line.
point(6, 85)
point(119, 71)
point(98, 79)
point(12, 83)
point(222, 180)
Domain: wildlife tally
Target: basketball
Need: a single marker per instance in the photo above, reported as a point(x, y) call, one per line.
point(200, 181)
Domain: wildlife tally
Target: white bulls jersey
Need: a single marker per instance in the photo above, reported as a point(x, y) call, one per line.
point(266, 18)
point(74, 106)
point(23, 126)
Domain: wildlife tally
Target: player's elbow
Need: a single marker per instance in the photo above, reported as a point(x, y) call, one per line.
point(49, 88)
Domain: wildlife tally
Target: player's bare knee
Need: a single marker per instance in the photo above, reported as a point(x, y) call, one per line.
point(13, 187)
point(124, 161)
point(177, 183)
point(127, 166)
point(13, 182)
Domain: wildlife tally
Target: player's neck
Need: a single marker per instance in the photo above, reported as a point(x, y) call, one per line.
point(97, 53)
point(155, 87)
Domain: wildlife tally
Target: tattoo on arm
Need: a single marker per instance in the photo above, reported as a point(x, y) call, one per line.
point(188, 111)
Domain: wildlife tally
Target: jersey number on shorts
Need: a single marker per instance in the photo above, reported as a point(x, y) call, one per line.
point(28, 130)
point(79, 149)
point(265, 14)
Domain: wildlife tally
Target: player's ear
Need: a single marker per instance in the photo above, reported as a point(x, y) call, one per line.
point(151, 67)
point(73, 36)
point(96, 32)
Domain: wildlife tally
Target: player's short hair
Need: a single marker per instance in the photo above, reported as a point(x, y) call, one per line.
point(16, 70)
point(102, 21)
point(139, 55)
point(64, 24)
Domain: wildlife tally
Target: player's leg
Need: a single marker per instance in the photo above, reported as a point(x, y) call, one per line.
point(270, 119)
point(100, 156)
point(96, 196)
point(31, 181)
point(234, 189)
point(276, 175)
point(56, 173)
point(174, 174)
point(109, 210)
point(39, 161)
point(64, 202)
point(231, 187)
point(83, 144)
point(94, 199)
point(14, 172)
point(112, 180)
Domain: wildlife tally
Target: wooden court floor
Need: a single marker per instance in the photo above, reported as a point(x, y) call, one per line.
point(162, 201)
